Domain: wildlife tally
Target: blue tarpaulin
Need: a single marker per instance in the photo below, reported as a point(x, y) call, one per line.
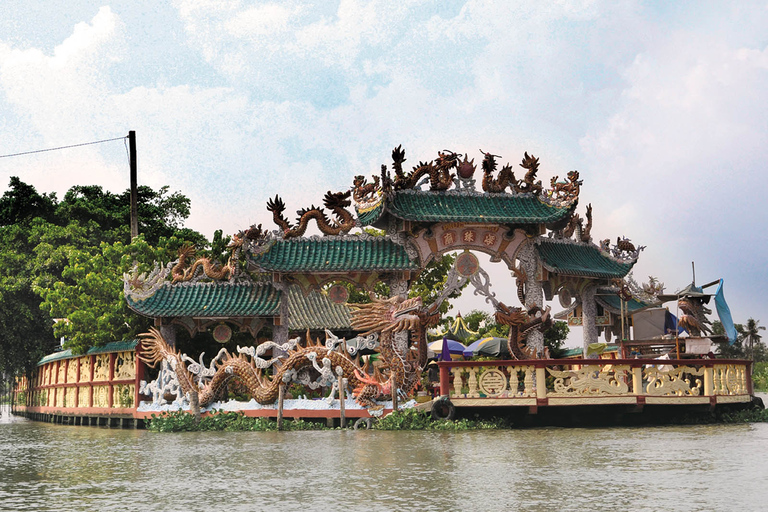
point(724, 312)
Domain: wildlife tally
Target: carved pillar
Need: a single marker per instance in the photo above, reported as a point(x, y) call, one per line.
point(398, 285)
point(280, 332)
point(534, 293)
point(168, 331)
point(588, 314)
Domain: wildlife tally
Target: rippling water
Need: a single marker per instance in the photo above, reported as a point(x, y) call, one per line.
point(55, 467)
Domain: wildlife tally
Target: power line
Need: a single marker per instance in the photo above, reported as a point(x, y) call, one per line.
point(62, 147)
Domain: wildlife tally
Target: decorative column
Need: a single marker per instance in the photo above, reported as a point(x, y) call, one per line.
point(534, 293)
point(588, 315)
point(280, 332)
point(398, 285)
point(168, 331)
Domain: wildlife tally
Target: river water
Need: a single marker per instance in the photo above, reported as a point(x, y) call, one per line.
point(670, 468)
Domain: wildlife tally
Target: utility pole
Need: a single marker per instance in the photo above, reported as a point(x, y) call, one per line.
point(134, 187)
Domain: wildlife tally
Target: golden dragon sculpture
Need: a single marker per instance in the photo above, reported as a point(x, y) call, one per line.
point(262, 387)
point(210, 269)
point(506, 177)
point(521, 324)
point(402, 370)
point(334, 201)
point(389, 317)
point(439, 171)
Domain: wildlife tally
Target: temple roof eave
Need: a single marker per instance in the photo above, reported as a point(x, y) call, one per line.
point(452, 206)
point(580, 260)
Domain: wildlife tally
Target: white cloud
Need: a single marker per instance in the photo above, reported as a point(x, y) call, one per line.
point(662, 113)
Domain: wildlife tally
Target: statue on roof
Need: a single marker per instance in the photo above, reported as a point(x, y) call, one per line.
point(506, 177)
point(363, 191)
point(334, 201)
point(528, 183)
point(439, 171)
point(568, 189)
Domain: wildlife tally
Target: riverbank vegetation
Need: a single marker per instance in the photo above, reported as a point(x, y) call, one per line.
point(180, 421)
point(406, 419)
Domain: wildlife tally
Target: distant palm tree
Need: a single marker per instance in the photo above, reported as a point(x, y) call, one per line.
point(749, 335)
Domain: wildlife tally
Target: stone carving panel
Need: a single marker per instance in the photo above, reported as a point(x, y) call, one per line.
point(101, 368)
point(590, 380)
point(85, 369)
point(680, 381)
point(101, 396)
point(125, 366)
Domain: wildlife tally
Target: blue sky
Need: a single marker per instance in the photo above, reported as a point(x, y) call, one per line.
point(661, 106)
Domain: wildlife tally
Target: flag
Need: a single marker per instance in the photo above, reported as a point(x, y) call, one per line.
point(724, 312)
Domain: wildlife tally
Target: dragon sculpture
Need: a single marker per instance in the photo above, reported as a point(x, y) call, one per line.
point(568, 189)
point(528, 183)
point(364, 191)
point(694, 316)
point(506, 177)
point(249, 368)
point(439, 171)
point(334, 201)
point(521, 324)
point(392, 317)
point(389, 317)
point(209, 268)
point(576, 225)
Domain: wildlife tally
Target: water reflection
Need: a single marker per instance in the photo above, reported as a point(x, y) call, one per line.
point(55, 467)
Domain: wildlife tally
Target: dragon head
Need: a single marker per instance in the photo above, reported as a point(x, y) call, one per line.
point(386, 315)
point(510, 315)
point(531, 163)
point(337, 199)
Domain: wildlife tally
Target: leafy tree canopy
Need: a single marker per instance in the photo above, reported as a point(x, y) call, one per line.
point(68, 256)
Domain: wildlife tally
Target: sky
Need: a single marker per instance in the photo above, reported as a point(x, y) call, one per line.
point(661, 106)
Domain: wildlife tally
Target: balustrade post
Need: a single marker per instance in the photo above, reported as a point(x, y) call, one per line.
point(637, 380)
point(709, 378)
point(445, 381)
point(541, 382)
point(90, 380)
point(77, 384)
point(111, 374)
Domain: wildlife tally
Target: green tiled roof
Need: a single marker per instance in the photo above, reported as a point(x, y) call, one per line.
point(580, 260)
point(613, 301)
point(209, 300)
point(315, 311)
point(348, 254)
point(488, 208)
point(115, 346)
point(579, 351)
point(368, 217)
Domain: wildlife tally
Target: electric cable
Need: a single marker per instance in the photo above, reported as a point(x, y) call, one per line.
point(62, 147)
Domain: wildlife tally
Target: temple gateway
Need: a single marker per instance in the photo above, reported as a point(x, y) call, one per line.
point(388, 228)
point(440, 207)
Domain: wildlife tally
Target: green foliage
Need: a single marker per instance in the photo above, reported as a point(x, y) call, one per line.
point(745, 416)
point(760, 377)
point(431, 281)
point(416, 419)
point(90, 293)
point(555, 337)
point(69, 257)
point(181, 421)
point(748, 344)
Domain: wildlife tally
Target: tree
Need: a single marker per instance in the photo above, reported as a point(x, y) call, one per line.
point(430, 283)
point(555, 337)
point(749, 335)
point(47, 245)
point(90, 293)
point(748, 344)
